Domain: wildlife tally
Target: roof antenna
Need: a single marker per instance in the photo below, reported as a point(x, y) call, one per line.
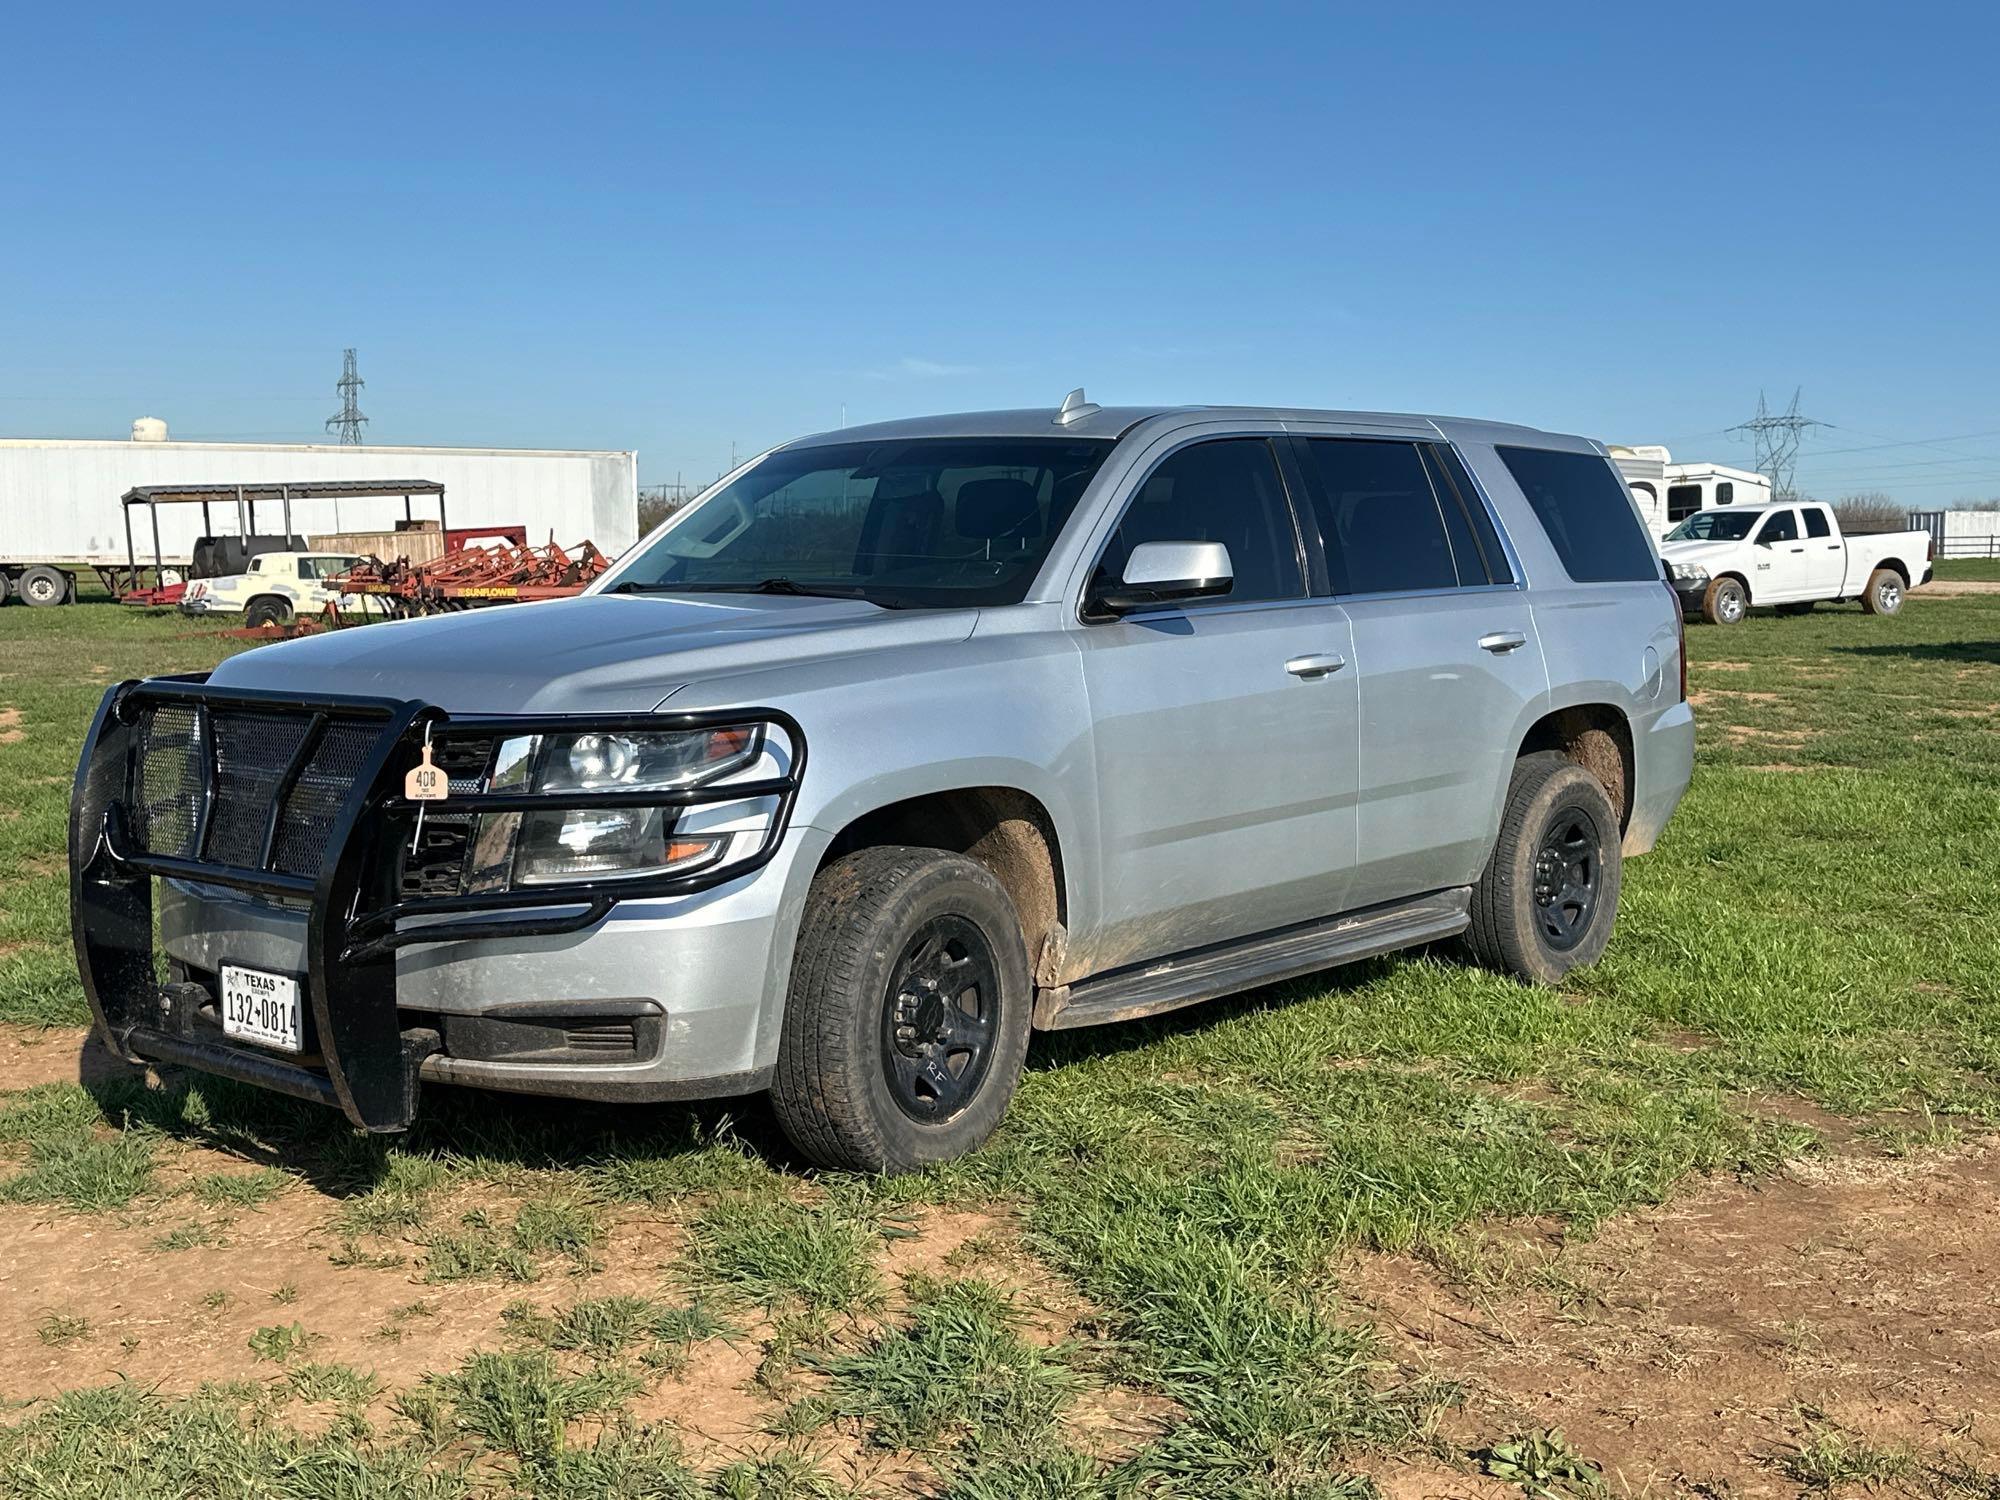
point(1075, 408)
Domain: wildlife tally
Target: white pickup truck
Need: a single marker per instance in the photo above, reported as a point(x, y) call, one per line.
point(275, 588)
point(1723, 560)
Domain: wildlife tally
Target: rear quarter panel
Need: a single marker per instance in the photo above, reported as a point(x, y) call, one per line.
point(1908, 550)
point(1602, 643)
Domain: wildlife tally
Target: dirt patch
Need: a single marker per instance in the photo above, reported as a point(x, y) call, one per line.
point(1740, 735)
point(11, 732)
point(1784, 766)
point(1723, 666)
point(57, 1054)
point(1697, 1347)
point(1946, 588)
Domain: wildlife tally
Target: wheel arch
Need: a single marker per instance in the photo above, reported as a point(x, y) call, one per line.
point(1596, 736)
point(1005, 828)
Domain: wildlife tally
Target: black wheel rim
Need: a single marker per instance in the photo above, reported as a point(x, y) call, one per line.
point(942, 1014)
point(1567, 872)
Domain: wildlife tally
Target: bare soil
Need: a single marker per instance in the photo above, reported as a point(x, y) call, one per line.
point(1694, 1348)
point(1697, 1348)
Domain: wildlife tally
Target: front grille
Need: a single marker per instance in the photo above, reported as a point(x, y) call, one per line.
point(619, 1037)
point(253, 751)
point(316, 797)
point(168, 794)
point(206, 778)
point(435, 866)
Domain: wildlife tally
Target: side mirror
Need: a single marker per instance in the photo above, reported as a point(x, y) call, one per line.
point(1167, 572)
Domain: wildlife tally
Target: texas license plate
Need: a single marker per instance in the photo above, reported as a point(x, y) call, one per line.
point(260, 1007)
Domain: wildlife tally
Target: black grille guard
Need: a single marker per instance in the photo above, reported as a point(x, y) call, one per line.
point(355, 917)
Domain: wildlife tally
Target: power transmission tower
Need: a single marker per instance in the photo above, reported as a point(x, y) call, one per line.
point(348, 421)
point(1777, 436)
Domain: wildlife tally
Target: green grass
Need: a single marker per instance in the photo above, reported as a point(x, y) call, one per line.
point(1980, 569)
point(54, 666)
point(1817, 925)
point(778, 1251)
point(957, 1373)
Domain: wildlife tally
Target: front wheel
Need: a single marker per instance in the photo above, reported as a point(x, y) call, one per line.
point(1884, 594)
point(1549, 894)
point(907, 1020)
point(1725, 603)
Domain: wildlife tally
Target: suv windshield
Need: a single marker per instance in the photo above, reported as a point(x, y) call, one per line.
point(919, 522)
point(1714, 526)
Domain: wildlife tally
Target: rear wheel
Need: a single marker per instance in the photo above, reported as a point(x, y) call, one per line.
point(1549, 895)
point(1725, 603)
point(267, 611)
point(907, 1020)
point(6, 588)
point(1884, 594)
point(43, 587)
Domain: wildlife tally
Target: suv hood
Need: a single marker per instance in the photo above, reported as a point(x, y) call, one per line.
point(606, 652)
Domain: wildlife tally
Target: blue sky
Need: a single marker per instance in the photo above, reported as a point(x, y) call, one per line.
point(677, 228)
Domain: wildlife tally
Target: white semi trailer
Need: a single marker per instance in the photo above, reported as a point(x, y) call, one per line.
point(61, 516)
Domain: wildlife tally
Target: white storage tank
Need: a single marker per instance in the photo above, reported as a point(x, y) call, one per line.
point(149, 430)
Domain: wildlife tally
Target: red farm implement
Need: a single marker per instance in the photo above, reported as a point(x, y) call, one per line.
point(499, 572)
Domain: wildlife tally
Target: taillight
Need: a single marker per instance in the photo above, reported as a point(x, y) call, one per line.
point(1681, 636)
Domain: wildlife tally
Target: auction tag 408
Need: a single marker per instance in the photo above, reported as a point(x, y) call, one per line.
point(426, 783)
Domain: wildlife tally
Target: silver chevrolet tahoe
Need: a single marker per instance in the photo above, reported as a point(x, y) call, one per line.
point(897, 744)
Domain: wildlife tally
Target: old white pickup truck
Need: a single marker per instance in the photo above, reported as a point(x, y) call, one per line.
point(275, 588)
point(1724, 560)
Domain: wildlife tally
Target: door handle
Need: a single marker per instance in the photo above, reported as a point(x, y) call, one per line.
point(1798, 549)
point(1500, 642)
point(1315, 666)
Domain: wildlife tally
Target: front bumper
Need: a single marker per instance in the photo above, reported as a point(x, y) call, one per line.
point(392, 984)
point(1690, 592)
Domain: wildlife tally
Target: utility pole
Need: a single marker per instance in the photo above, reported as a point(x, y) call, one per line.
point(1777, 436)
point(348, 421)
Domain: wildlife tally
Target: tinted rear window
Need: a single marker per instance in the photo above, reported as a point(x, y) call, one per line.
point(1587, 513)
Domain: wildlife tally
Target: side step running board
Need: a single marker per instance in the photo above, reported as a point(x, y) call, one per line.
point(1206, 973)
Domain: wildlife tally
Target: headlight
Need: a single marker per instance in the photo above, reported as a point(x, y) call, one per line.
point(608, 843)
point(1687, 573)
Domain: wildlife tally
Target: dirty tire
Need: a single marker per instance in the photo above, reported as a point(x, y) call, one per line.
point(6, 588)
point(1884, 594)
point(43, 587)
point(1550, 796)
point(267, 612)
point(868, 917)
point(1725, 603)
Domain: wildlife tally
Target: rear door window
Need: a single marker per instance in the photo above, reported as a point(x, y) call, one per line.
point(1587, 512)
point(1226, 491)
point(1380, 522)
point(1454, 483)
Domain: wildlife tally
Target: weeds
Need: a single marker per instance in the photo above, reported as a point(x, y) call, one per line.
point(58, 1329)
